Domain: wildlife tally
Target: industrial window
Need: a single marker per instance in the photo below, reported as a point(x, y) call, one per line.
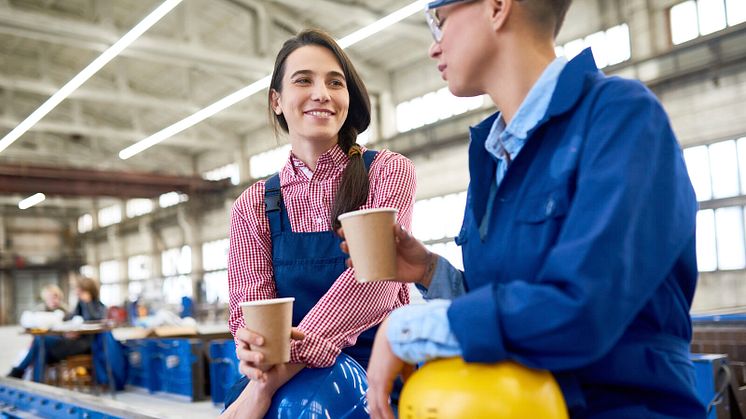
point(720, 239)
point(216, 287)
point(176, 266)
point(138, 206)
point(215, 255)
point(268, 162)
point(694, 18)
point(433, 107)
point(87, 271)
point(698, 165)
point(85, 223)
point(138, 267)
point(718, 171)
point(229, 171)
point(437, 221)
point(111, 293)
point(736, 11)
point(176, 287)
point(610, 47)
point(109, 215)
point(729, 237)
point(176, 261)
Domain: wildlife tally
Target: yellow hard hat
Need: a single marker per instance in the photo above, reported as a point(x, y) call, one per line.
point(453, 389)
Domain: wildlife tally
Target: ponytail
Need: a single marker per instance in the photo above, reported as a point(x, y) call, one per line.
point(354, 185)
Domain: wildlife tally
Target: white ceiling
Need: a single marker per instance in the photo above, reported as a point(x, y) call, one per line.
point(200, 52)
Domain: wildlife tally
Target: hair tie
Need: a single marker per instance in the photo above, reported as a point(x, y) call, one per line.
point(355, 149)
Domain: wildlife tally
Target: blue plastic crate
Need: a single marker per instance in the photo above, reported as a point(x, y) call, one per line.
point(179, 366)
point(141, 356)
point(223, 369)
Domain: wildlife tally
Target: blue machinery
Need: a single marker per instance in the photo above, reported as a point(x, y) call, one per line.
point(28, 400)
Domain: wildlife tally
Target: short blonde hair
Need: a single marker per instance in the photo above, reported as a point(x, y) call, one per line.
point(51, 288)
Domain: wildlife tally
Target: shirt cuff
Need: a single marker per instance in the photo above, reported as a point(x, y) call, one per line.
point(421, 332)
point(447, 282)
point(313, 351)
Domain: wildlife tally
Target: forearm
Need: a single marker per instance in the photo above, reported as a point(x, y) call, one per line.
point(329, 327)
point(284, 373)
point(250, 272)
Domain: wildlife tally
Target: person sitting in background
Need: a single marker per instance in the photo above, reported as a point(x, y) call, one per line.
point(52, 299)
point(89, 307)
point(57, 348)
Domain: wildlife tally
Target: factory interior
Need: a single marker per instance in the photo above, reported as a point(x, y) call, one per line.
point(133, 132)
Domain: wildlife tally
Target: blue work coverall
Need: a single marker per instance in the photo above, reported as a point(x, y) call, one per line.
point(588, 267)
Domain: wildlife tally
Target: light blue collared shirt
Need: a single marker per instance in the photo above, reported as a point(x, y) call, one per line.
point(419, 333)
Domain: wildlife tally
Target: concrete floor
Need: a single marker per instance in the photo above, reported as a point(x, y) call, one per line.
point(14, 343)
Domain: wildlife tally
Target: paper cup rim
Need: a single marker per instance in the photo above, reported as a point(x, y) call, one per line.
point(266, 302)
point(366, 211)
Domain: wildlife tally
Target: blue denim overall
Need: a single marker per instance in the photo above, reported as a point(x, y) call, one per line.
point(305, 267)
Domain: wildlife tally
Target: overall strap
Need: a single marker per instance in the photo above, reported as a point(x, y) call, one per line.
point(368, 157)
point(275, 208)
point(273, 204)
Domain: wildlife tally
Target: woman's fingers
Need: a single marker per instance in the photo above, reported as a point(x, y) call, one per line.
point(296, 334)
point(247, 355)
point(249, 337)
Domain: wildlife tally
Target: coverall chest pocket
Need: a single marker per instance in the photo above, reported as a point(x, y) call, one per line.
point(538, 221)
point(539, 208)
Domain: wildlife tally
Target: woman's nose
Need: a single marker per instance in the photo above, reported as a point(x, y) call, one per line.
point(320, 93)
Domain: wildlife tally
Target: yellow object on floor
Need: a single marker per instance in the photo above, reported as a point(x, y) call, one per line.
point(453, 389)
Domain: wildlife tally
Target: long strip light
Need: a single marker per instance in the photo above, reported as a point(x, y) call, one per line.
point(31, 201)
point(263, 83)
point(88, 72)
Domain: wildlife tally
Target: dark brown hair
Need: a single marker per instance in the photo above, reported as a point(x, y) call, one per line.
point(89, 285)
point(548, 14)
point(353, 188)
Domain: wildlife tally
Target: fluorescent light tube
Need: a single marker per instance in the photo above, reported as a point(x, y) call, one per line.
point(88, 72)
point(383, 23)
point(31, 201)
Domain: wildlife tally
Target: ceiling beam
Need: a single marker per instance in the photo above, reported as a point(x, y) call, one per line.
point(195, 143)
point(129, 99)
point(24, 179)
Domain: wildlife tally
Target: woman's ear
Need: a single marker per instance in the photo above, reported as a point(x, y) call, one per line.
point(499, 12)
point(275, 99)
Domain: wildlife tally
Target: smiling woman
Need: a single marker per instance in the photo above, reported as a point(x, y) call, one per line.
point(282, 241)
point(318, 98)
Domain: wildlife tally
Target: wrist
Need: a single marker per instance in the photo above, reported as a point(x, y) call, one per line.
point(427, 276)
point(263, 389)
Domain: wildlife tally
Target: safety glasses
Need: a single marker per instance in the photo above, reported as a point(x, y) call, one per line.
point(433, 21)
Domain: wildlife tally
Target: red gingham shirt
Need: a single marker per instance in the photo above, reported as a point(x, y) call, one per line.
point(348, 307)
